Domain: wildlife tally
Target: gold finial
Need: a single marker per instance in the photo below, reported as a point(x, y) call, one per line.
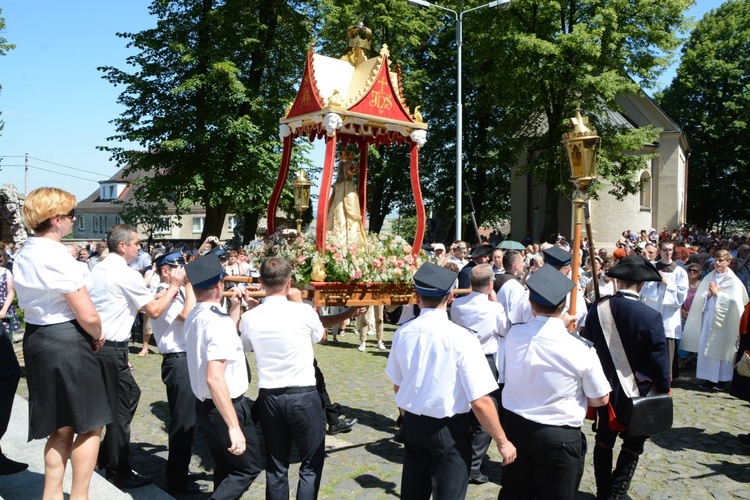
point(384, 50)
point(335, 99)
point(418, 115)
point(358, 42)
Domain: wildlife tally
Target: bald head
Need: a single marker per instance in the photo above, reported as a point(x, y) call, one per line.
point(481, 277)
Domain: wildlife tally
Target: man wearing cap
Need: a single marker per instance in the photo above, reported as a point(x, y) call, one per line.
point(118, 293)
point(486, 319)
point(560, 259)
point(281, 333)
point(480, 254)
point(219, 378)
point(551, 377)
point(439, 373)
point(438, 254)
point(638, 332)
point(667, 296)
point(169, 333)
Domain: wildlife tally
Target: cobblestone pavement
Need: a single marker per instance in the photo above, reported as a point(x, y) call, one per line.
point(699, 458)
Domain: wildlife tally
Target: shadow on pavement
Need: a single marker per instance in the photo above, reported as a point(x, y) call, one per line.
point(368, 481)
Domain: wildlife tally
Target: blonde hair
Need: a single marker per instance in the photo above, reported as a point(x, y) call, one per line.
point(44, 203)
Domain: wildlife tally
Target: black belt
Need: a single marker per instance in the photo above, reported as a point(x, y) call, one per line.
point(168, 355)
point(210, 402)
point(117, 345)
point(289, 390)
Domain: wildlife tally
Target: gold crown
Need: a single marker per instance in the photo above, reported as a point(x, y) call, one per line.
point(346, 155)
point(358, 35)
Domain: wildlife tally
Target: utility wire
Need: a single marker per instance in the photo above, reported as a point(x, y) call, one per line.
point(69, 175)
point(66, 166)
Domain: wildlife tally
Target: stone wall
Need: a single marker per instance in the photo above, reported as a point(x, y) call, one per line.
point(11, 223)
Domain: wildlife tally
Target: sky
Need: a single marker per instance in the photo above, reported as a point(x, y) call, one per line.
point(55, 104)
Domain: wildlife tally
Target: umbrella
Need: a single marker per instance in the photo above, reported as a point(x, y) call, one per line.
point(510, 245)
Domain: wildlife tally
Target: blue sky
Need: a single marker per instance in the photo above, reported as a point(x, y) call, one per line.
point(56, 106)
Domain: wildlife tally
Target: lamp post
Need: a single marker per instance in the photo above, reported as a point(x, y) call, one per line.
point(581, 144)
point(503, 4)
point(301, 186)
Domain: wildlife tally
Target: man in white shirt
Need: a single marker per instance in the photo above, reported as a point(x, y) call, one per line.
point(281, 333)
point(511, 293)
point(118, 293)
point(458, 254)
point(219, 377)
point(486, 319)
point(439, 373)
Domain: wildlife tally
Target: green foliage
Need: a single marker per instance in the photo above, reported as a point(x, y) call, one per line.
point(4, 48)
point(209, 84)
point(710, 99)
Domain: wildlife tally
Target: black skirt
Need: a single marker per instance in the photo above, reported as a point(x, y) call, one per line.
point(740, 387)
point(64, 379)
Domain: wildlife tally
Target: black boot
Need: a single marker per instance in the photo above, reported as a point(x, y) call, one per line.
point(603, 471)
point(623, 474)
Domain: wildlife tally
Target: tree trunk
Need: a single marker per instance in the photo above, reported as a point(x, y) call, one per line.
point(551, 222)
point(215, 219)
point(249, 226)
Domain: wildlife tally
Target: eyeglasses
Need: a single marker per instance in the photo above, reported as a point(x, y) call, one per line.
point(70, 214)
point(693, 271)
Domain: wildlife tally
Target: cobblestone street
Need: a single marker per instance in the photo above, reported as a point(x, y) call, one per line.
point(699, 458)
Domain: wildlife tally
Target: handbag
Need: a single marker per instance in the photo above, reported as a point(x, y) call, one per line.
point(645, 415)
point(743, 365)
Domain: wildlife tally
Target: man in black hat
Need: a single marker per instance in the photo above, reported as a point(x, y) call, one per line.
point(637, 331)
point(439, 373)
point(551, 377)
point(219, 378)
point(169, 333)
point(480, 254)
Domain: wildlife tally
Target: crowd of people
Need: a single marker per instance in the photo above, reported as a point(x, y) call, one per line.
point(519, 360)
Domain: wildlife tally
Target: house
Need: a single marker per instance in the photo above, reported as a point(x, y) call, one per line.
point(101, 210)
point(662, 200)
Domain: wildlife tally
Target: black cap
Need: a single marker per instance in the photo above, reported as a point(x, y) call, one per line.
point(548, 286)
point(431, 280)
point(557, 257)
point(480, 251)
point(170, 259)
point(634, 268)
point(219, 252)
point(205, 272)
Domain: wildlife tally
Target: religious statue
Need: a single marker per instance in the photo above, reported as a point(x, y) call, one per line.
point(344, 216)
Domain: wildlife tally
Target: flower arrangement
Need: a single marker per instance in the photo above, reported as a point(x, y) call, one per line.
point(382, 259)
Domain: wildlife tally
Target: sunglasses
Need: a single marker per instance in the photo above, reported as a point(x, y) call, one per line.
point(70, 214)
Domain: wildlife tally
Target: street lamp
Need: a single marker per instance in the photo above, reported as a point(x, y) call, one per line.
point(301, 186)
point(502, 4)
point(581, 144)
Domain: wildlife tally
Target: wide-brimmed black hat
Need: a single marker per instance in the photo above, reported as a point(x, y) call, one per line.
point(557, 257)
point(431, 280)
point(548, 286)
point(480, 251)
point(205, 272)
point(634, 268)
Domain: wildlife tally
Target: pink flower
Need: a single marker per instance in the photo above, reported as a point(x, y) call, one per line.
point(400, 264)
point(377, 263)
point(330, 247)
point(409, 258)
point(338, 257)
point(407, 248)
point(301, 259)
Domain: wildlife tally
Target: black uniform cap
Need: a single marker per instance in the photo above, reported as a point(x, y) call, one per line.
point(557, 256)
point(205, 272)
point(170, 259)
point(431, 280)
point(548, 286)
point(481, 250)
point(634, 268)
point(219, 252)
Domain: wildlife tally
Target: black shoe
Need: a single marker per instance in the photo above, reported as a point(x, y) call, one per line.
point(134, 480)
point(478, 478)
point(399, 436)
point(720, 386)
point(190, 489)
point(707, 385)
point(8, 466)
point(343, 425)
point(744, 438)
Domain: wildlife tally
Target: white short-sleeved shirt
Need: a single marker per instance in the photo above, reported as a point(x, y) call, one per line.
point(515, 298)
point(169, 330)
point(211, 335)
point(486, 318)
point(549, 373)
point(439, 366)
point(43, 272)
point(117, 293)
point(282, 333)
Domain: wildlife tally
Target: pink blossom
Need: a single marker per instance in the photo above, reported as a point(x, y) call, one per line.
point(301, 259)
point(338, 257)
point(377, 263)
point(409, 258)
point(392, 259)
point(400, 264)
point(407, 248)
point(330, 247)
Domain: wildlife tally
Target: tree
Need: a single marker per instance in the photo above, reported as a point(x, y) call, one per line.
point(4, 48)
point(709, 99)
point(210, 82)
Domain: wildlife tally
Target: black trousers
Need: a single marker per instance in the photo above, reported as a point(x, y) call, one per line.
point(480, 440)
point(123, 395)
point(331, 411)
point(181, 400)
point(10, 374)
point(287, 416)
point(607, 436)
point(233, 474)
point(548, 460)
point(437, 454)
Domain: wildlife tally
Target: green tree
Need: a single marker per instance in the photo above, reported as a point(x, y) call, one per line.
point(209, 84)
point(4, 48)
point(710, 99)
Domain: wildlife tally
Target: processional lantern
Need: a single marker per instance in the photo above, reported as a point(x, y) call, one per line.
point(301, 186)
point(581, 144)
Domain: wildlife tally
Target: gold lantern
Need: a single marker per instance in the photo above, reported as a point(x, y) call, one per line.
point(301, 186)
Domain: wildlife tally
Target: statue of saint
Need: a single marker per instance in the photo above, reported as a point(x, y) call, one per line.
point(344, 217)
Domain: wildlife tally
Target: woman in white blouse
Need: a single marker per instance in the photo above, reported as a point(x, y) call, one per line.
point(67, 400)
